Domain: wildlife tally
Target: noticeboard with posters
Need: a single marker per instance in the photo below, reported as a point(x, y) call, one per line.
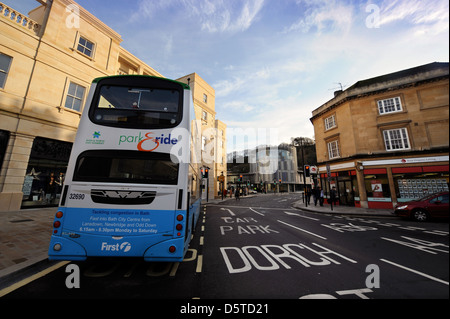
point(417, 188)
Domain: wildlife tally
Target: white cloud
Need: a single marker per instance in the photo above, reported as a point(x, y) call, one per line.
point(228, 16)
point(432, 16)
point(225, 87)
point(323, 16)
point(241, 81)
point(213, 15)
point(238, 106)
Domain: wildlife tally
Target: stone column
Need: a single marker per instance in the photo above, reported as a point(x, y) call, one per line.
point(12, 174)
point(361, 185)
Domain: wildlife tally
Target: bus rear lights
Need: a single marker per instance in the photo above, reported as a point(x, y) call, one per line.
point(57, 224)
point(59, 214)
point(172, 249)
point(179, 227)
point(180, 218)
point(57, 247)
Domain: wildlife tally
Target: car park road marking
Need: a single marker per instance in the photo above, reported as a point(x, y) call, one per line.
point(229, 210)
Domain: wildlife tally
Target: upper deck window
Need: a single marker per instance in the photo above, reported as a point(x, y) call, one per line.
point(137, 107)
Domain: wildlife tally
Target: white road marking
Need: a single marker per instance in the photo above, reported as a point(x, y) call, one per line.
point(256, 211)
point(231, 213)
point(295, 214)
point(298, 228)
point(416, 272)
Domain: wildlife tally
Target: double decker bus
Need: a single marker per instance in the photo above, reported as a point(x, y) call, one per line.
point(132, 187)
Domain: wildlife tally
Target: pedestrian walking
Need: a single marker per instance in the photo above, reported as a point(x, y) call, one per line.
point(237, 194)
point(308, 195)
point(316, 195)
point(320, 196)
point(333, 195)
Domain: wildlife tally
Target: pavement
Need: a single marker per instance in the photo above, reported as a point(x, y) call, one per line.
point(325, 209)
point(25, 234)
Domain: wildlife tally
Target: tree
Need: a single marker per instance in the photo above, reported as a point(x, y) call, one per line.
point(309, 150)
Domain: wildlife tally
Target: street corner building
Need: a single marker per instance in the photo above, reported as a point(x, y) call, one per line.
point(48, 60)
point(384, 140)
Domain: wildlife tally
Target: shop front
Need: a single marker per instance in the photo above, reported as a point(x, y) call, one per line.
point(404, 179)
point(378, 192)
point(45, 172)
point(384, 183)
point(346, 186)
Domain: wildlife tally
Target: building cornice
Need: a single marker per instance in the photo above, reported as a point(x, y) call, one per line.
point(91, 19)
point(365, 88)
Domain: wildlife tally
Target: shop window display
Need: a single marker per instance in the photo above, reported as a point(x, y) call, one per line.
point(45, 173)
point(414, 186)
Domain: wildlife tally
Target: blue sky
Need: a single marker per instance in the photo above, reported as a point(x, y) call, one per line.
point(272, 62)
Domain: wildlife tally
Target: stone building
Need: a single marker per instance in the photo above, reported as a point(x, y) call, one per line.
point(386, 139)
point(213, 131)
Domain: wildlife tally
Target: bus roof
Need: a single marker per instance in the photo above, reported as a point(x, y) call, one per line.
point(184, 85)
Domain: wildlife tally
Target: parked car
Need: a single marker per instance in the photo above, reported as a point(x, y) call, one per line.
point(430, 206)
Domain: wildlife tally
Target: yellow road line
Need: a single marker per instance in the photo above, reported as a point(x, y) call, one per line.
point(26, 281)
point(199, 264)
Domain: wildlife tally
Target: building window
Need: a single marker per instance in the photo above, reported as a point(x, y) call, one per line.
point(391, 105)
point(86, 47)
point(396, 139)
point(203, 143)
point(205, 98)
point(5, 63)
point(330, 122)
point(333, 150)
point(74, 97)
point(4, 139)
point(204, 116)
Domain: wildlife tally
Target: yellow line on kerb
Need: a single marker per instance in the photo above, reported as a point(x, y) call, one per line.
point(26, 281)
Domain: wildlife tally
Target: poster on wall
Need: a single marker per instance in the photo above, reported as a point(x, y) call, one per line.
point(377, 188)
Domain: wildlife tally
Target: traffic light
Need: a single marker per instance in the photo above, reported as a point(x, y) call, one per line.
point(306, 170)
point(240, 178)
point(206, 173)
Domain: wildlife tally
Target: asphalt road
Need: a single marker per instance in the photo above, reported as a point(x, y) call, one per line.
point(261, 248)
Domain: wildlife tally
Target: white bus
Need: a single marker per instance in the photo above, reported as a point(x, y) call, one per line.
point(129, 190)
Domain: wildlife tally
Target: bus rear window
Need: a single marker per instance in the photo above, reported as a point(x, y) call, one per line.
point(136, 107)
point(126, 167)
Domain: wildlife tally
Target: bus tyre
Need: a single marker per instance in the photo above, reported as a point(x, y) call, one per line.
point(420, 215)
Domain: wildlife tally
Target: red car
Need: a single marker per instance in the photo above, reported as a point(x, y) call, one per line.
point(430, 206)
